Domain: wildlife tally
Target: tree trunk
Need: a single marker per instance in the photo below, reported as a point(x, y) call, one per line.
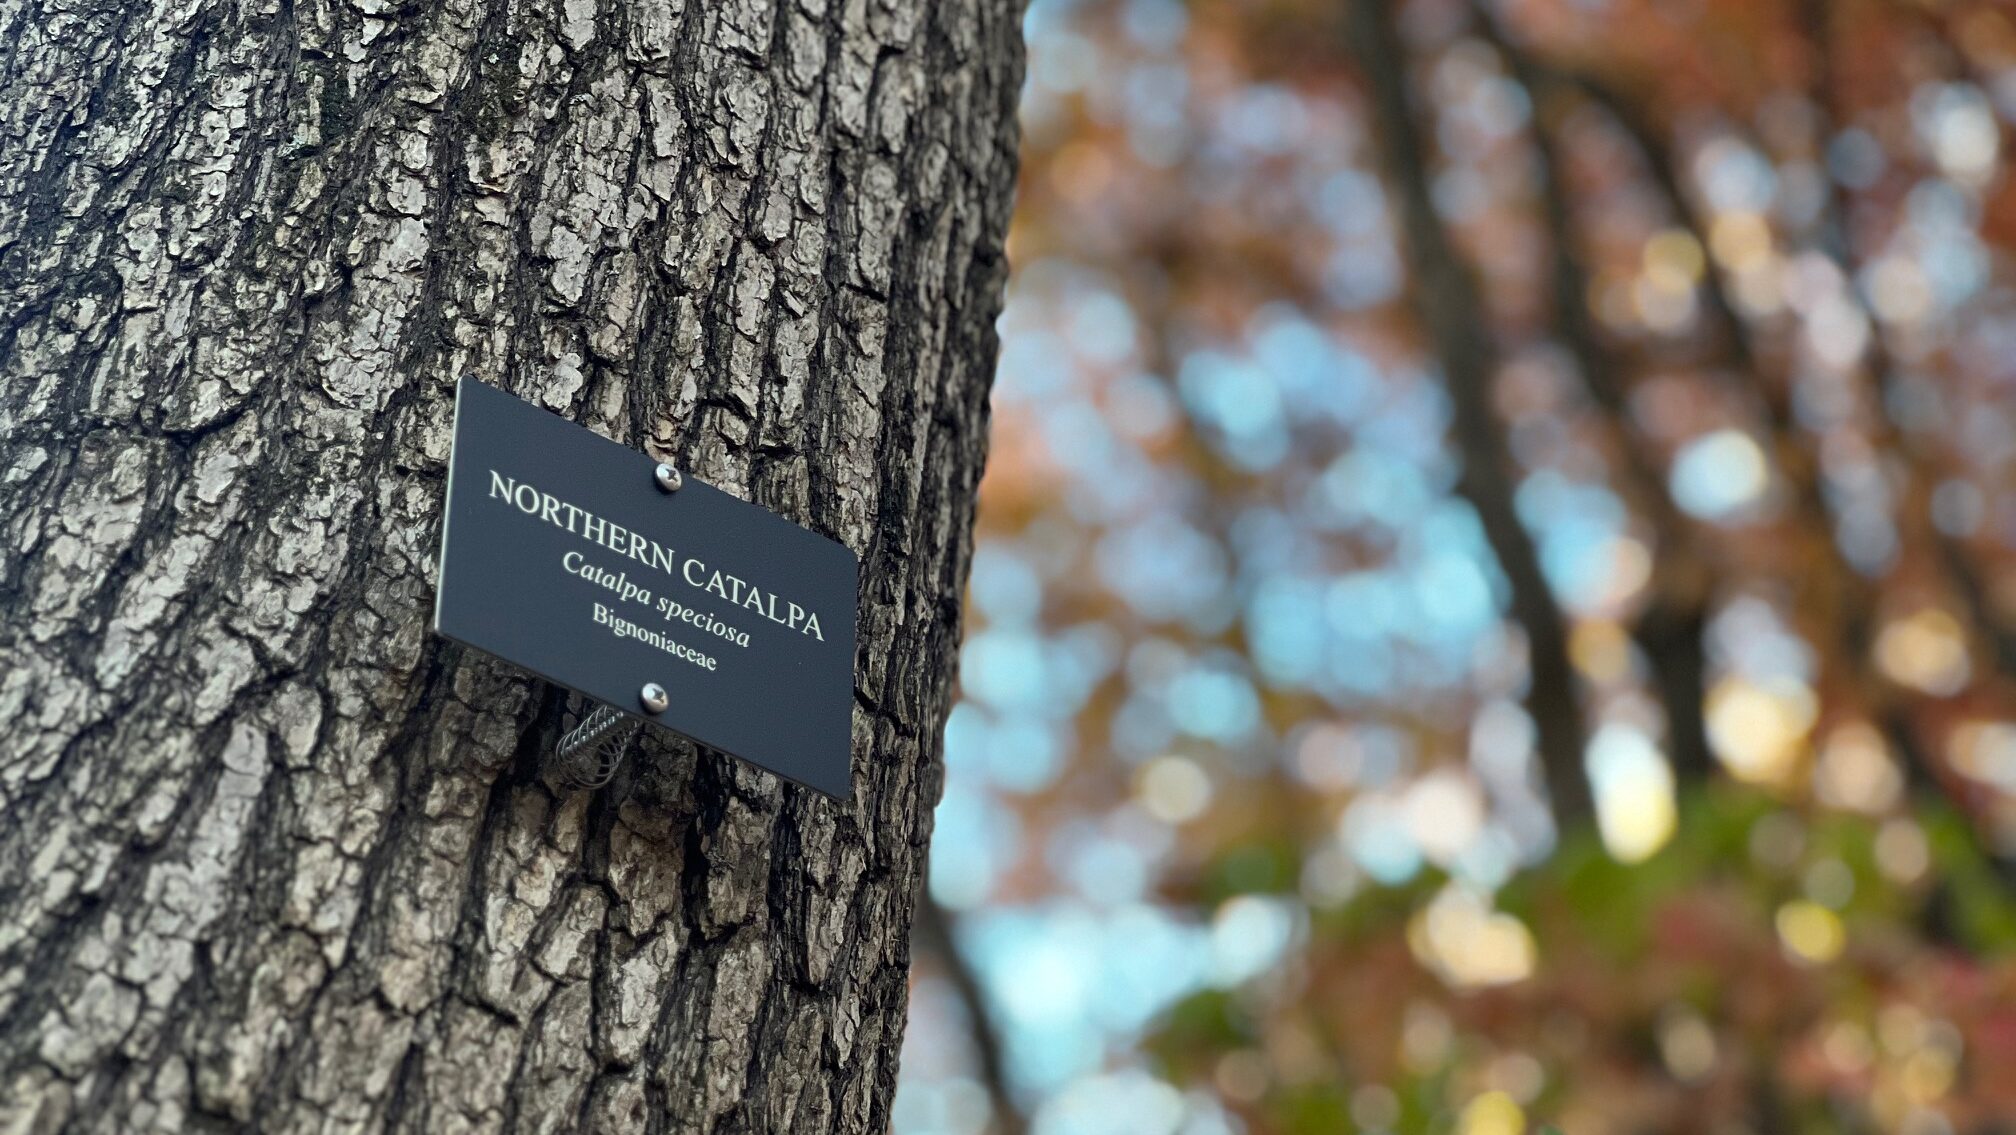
point(271, 855)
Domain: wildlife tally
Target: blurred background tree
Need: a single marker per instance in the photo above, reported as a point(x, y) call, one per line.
point(1494, 600)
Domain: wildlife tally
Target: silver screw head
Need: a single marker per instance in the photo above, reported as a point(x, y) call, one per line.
point(654, 697)
point(668, 478)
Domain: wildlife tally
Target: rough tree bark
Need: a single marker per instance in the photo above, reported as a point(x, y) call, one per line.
point(272, 857)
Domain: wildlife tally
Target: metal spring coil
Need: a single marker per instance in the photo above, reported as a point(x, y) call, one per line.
point(587, 756)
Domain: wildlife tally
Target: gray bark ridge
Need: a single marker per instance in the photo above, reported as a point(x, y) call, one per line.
point(271, 856)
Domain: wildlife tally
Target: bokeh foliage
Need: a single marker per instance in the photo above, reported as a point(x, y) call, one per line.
point(1494, 600)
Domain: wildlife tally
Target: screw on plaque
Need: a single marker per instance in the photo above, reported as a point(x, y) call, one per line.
point(668, 477)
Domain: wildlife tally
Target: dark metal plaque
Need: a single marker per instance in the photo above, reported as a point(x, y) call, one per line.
point(561, 553)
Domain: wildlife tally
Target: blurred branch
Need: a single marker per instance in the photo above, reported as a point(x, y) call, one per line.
point(1670, 630)
point(934, 933)
point(1958, 48)
point(1838, 589)
point(1836, 238)
point(1451, 311)
point(1793, 452)
point(1837, 241)
point(1744, 357)
point(1663, 170)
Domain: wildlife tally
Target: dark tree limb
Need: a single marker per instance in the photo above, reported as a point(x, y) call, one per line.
point(1916, 456)
point(1846, 600)
point(934, 933)
point(1737, 337)
point(1452, 315)
point(1669, 631)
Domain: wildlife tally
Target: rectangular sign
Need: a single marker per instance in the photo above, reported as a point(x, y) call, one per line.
point(560, 552)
